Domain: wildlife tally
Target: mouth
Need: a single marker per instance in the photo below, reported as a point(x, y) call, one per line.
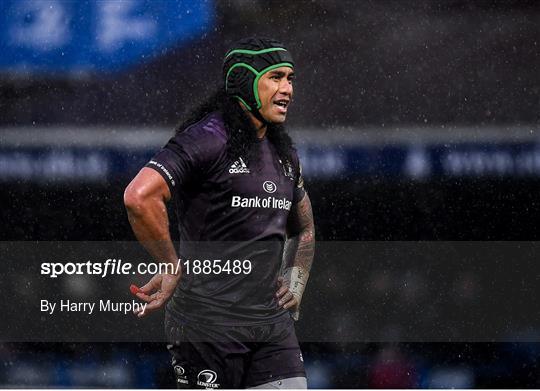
point(281, 105)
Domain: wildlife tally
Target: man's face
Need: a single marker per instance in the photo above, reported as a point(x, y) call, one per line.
point(275, 93)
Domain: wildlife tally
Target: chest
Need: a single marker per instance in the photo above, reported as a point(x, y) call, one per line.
point(262, 182)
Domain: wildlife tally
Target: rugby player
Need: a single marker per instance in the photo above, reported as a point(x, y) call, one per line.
point(237, 185)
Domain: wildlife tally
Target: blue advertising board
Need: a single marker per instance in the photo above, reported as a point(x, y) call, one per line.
point(406, 161)
point(423, 161)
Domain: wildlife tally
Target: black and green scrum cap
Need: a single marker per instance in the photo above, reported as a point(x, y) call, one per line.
point(246, 62)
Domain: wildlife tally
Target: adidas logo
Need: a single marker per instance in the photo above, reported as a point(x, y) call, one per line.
point(239, 167)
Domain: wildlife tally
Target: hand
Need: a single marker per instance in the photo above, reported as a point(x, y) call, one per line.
point(156, 292)
point(286, 298)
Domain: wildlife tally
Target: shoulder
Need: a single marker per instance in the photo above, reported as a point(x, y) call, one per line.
point(207, 137)
point(296, 168)
point(295, 160)
point(211, 127)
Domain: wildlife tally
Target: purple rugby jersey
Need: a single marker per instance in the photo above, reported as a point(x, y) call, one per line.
point(228, 210)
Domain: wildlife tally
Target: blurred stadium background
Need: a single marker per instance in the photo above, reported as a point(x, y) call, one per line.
point(414, 121)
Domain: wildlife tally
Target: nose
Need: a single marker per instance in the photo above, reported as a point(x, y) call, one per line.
point(285, 87)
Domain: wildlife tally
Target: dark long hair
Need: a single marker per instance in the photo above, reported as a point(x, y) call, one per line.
point(242, 140)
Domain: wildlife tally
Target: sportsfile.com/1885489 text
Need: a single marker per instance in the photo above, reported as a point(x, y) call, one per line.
point(113, 266)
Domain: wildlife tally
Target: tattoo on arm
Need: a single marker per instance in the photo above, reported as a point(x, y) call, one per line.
point(300, 244)
point(299, 250)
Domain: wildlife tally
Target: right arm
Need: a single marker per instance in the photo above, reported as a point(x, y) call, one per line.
point(145, 200)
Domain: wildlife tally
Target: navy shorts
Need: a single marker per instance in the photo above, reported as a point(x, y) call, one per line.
point(205, 356)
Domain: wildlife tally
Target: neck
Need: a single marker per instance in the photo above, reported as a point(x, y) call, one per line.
point(257, 123)
point(261, 131)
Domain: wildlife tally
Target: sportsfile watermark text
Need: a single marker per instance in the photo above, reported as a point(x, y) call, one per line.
point(112, 267)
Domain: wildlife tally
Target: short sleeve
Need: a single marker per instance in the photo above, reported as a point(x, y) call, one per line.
point(179, 161)
point(298, 191)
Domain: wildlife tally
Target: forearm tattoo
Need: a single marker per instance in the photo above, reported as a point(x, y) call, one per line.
point(299, 247)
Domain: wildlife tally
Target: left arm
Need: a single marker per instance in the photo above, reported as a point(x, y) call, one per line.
point(297, 255)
